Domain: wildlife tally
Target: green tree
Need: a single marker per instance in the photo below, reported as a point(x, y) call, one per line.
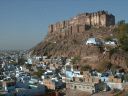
point(121, 22)
point(108, 38)
point(125, 77)
point(100, 86)
point(122, 35)
point(76, 59)
point(39, 73)
point(104, 65)
point(21, 61)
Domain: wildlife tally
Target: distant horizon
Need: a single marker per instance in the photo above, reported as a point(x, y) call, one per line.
point(24, 23)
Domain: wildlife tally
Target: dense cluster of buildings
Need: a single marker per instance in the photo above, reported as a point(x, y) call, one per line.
point(93, 81)
point(20, 80)
point(61, 71)
point(55, 74)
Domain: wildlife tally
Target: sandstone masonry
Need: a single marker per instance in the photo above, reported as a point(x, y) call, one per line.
point(83, 22)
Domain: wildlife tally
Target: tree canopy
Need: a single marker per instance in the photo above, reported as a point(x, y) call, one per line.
point(122, 35)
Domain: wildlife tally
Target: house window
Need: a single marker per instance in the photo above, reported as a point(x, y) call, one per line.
point(87, 87)
point(92, 79)
point(93, 91)
point(75, 87)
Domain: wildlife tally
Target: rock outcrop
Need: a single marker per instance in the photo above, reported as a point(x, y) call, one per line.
point(70, 44)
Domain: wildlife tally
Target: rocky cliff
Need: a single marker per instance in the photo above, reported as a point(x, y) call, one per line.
point(73, 44)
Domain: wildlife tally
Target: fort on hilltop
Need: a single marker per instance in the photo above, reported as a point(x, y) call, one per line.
point(82, 22)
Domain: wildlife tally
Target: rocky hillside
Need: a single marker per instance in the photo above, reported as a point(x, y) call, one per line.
point(68, 38)
point(71, 45)
point(74, 45)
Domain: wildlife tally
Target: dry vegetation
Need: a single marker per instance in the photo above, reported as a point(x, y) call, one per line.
point(73, 44)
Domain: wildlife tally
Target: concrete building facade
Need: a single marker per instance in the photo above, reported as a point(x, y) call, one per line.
point(87, 87)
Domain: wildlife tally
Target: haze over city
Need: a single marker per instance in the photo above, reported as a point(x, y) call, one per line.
point(24, 23)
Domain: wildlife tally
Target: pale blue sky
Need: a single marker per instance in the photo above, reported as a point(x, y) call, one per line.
point(23, 23)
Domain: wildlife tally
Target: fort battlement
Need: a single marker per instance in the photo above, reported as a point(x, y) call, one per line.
point(82, 22)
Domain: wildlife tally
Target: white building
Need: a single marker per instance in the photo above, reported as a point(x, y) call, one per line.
point(111, 43)
point(93, 41)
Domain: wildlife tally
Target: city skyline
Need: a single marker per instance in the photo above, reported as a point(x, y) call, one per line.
point(24, 23)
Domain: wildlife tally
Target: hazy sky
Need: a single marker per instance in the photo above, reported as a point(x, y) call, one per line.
point(23, 23)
